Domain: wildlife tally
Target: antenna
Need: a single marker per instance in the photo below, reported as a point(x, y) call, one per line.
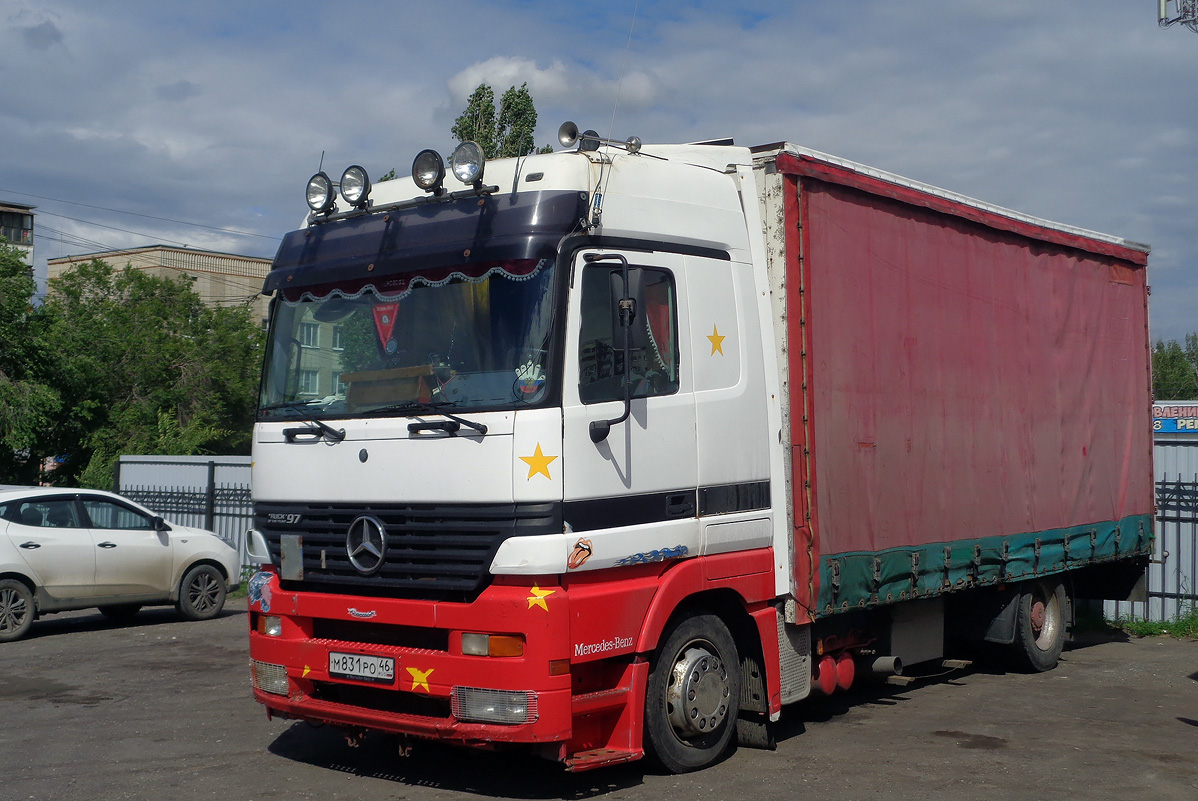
point(620, 85)
point(1187, 13)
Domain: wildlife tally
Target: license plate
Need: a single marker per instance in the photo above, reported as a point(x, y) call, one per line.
point(379, 669)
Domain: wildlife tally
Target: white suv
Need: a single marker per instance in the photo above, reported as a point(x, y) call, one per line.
point(66, 549)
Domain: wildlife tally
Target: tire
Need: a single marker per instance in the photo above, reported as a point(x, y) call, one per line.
point(201, 593)
point(693, 697)
point(120, 613)
point(16, 610)
point(1040, 625)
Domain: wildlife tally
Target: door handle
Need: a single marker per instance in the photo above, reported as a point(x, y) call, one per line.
point(31, 545)
point(107, 544)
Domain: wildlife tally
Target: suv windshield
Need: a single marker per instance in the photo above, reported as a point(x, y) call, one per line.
point(472, 337)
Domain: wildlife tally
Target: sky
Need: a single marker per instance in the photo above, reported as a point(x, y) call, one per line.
point(198, 123)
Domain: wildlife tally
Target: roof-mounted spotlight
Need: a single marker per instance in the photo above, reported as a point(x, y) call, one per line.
point(320, 193)
point(355, 187)
point(428, 171)
point(467, 163)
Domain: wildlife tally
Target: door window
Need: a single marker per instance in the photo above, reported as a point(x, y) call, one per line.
point(108, 515)
point(44, 514)
point(654, 356)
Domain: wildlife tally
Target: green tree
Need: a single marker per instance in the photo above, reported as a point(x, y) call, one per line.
point(1175, 369)
point(506, 133)
point(142, 365)
point(27, 405)
point(477, 122)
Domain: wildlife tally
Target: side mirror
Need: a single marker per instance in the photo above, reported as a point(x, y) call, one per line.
point(256, 549)
point(159, 524)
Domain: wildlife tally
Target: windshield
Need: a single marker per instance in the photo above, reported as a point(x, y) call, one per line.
point(472, 337)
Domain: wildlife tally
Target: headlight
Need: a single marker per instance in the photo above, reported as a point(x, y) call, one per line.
point(428, 170)
point(320, 193)
point(474, 644)
point(467, 163)
point(355, 187)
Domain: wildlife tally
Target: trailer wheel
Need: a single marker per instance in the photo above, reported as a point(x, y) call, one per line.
point(1040, 625)
point(693, 697)
point(16, 610)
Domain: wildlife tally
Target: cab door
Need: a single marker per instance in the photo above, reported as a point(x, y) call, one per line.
point(630, 497)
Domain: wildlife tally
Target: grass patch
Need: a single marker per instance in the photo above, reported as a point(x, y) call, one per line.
point(1184, 626)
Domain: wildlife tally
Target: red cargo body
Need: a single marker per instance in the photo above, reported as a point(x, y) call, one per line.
point(977, 389)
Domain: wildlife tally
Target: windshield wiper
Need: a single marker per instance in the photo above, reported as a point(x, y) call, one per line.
point(317, 427)
point(452, 426)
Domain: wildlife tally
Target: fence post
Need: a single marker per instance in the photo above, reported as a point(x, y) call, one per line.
point(116, 476)
point(210, 498)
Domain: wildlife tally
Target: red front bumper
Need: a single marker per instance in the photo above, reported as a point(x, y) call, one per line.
point(425, 640)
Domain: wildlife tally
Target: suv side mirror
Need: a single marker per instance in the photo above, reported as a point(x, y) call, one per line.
point(158, 524)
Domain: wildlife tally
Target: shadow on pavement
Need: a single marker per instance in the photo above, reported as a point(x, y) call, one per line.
point(60, 623)
point(493, 774)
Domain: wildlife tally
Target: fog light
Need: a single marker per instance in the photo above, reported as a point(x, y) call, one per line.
point(493, 706)
point(270, 626)
point(492, 644)
point(269, 678)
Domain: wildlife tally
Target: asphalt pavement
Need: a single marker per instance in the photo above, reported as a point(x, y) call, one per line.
point(161, 709)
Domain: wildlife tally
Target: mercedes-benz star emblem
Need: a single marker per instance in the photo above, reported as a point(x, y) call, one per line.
point(366, 544)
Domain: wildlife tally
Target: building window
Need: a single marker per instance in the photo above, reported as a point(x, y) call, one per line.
point(337, 338)
point(339, 386)
point(309, 382)
point(309, 335)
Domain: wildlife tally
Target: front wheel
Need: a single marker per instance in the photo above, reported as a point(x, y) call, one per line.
point(693, 697)
point(1040, 625)
point(16, 610)
point(201, 593)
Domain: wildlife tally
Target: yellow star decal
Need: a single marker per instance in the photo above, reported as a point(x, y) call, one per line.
point(538, 463)
point(538, 597)
point(307, 670)
point(420, 678)
point(717, 341)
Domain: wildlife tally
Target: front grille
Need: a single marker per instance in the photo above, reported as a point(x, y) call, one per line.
point(434, 551)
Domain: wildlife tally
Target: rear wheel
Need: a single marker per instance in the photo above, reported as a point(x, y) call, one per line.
point(16, 610)
point(693, 696)
point(201, 593)
point(1040, 625)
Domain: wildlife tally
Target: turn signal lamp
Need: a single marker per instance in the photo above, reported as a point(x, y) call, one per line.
point(320, 193)
point(492, 645)
point(467, 163)
point(428, 171)
point(270, 626)
point(355, 187)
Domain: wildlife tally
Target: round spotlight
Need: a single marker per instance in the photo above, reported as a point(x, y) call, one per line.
point(467, 163)
point(320, 193)
point(428, 170)
point(355, 187)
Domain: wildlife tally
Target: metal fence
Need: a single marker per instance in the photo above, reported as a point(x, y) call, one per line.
point(206, 492)
point(1172, 574)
